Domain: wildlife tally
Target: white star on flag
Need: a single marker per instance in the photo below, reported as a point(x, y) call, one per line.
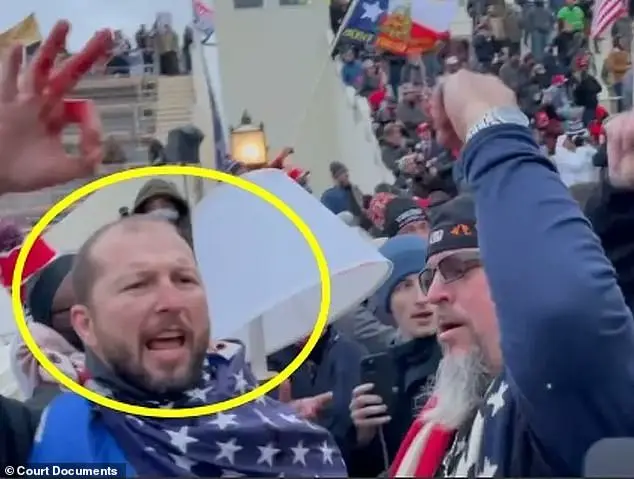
point(489, 469)
point(181, 438)
point(242, 384)
point(327, 452)
point(299, 453)
point(198, 393)
point(496, 400)
point(222, 421)
point(228, 450)
point(267, 453)
point(371, 11)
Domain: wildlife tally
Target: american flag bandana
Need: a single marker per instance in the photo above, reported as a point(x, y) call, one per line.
point(264, 438)
point(481, 448)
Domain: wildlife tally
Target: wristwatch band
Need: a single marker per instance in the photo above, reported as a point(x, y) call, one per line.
point(498, 116)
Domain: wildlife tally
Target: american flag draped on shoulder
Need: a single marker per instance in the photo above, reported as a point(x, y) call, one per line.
point(606, 12)
point(261, 439)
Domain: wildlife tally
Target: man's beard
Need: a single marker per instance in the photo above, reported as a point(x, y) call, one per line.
point(132, 372)
point(461, 381)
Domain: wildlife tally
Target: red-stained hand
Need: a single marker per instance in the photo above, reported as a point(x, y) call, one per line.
point(33, 113)
point(308, 408)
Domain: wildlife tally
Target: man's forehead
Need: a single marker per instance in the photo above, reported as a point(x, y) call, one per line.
point(135, 235)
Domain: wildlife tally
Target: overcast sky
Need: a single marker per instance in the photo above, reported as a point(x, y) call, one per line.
point(86, 16)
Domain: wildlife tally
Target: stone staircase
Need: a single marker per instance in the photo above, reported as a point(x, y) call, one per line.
point(174, 105)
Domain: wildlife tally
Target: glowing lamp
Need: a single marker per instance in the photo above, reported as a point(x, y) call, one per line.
point(248, 143)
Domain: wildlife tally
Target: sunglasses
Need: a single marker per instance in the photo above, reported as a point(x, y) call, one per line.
point(451, 268)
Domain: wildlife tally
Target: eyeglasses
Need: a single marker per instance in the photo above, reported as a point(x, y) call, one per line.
point(451, 268)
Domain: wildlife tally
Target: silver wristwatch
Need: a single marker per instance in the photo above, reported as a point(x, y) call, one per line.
point(498, 116)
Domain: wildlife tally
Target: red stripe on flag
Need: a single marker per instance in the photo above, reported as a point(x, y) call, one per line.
point(606, 12)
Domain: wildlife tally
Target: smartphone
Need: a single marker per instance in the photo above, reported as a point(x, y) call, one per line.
point(380, 370)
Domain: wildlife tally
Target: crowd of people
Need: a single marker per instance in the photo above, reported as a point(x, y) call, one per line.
point(500, 345)
point(540, 50)
point(156, 50)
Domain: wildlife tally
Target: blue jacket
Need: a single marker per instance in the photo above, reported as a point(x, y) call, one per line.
point(89, 442)
point(567, 336)
point(351, 72)
point(334, 365)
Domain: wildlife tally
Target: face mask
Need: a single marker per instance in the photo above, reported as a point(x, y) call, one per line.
point(166, 214)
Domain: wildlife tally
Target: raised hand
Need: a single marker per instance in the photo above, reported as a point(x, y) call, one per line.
point(310, 408)
point(33, 114)
point(620, 147)
point(461, 100)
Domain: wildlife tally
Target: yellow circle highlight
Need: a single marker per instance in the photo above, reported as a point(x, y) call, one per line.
point(47, 364)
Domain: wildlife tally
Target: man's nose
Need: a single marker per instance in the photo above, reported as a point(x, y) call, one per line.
point(169, 296)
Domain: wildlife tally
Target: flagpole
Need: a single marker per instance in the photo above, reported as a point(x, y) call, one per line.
point(199, 188)
point(322, 70)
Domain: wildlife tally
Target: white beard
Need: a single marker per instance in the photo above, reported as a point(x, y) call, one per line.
point(461, 381)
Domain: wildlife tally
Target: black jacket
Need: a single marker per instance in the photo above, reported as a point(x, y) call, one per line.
point(611, 212)
point(586, 91)
point(333, 365)
point(18, 424)
point(416, 363)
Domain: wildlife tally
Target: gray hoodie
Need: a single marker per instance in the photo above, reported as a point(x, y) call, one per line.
point(366, 328)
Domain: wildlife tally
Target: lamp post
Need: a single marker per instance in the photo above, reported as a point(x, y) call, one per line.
point(248, 143)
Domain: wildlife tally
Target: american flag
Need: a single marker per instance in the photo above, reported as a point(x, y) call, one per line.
point(606, 12)
point(264, 438)
point(203, 19)
point(481, 447)
point(11, 238)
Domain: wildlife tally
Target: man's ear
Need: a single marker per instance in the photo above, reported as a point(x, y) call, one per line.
point(82, 322)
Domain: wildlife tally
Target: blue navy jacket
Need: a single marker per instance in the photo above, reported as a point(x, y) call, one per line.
point(567, 336)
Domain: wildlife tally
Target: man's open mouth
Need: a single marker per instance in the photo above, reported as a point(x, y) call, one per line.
point(166, 340)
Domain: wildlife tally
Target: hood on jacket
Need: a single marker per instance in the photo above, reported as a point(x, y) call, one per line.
point(159, 188)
